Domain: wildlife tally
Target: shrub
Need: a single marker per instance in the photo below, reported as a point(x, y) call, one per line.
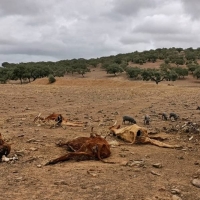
point(51, 79)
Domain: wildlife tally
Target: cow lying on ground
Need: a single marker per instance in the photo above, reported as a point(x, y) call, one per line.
point(135, 134)
point(56, 120)
point(4, 149)
point(129, 119)
point(84, 148)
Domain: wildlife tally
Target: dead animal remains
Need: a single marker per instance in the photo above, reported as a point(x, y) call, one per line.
point(4, 149)
point(84, 148)
point(135, 134)
point(56, 120)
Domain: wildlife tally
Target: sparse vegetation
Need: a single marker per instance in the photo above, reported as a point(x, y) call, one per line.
point(182, 61)
point(114, 69)
point(197, 72)
point(51, 78)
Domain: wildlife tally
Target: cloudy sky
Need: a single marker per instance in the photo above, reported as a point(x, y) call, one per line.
point(52, 30)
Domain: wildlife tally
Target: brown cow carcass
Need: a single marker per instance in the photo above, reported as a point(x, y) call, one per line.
point(56, 120)
point(4, 149)
point(84, 148)
point(135, 134)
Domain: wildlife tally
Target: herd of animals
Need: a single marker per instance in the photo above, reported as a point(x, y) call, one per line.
point(172, 116)
point(95, 147)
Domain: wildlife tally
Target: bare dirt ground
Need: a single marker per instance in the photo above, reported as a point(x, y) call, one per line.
point(104, 98)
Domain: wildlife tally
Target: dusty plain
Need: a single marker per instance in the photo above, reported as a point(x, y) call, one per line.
point(103, 98)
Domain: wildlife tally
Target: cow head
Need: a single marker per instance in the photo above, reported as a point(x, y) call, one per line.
point(133, 133)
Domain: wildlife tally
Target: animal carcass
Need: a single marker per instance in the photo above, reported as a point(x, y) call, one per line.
point(137, 135)
point(56, 120)
point(85, 148)
point(4, 149)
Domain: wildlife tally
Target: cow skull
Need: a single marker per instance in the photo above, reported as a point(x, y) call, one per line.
point(137, 135)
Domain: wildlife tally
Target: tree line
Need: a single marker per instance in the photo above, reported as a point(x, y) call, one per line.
point(177, 63)
point(33, 70)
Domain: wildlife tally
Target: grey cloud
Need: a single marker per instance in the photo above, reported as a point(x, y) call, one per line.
point(158, 24)
point(22, 7)
point(136, 39)
point(192, 8)
point(163, 24)
point(66, 29)
point(131, 7)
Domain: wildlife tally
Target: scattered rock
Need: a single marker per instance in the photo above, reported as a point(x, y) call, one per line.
point(196, 162)
point(196, 182)
point(124, 163)
point(175, 197)
point(18, 178)
point(138, 163)
point(116, 113)
point(122, 155)
point(83, 187)
point(155, 173)
point(197, 174)
point(33, 149)
point(162, 189)
point(60, 182)
point(190, 127)
point(92, 174)
point(96, 187)
point(20, 152)
point(157, 165)
point(31, 140)
point(175, 191)
point(22, 135)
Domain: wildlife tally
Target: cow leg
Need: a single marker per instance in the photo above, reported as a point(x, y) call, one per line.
point(68, 157)
point(72, 124)
point(155, 137)
point(160, 144)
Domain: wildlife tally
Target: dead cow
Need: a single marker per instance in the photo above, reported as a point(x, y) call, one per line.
point(4, 148)
point(129, 119)
point(137, 135)
point(85, 148)
point(56, 120)
point(146, 119)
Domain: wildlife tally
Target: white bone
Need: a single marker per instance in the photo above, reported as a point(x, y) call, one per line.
point(5, 159)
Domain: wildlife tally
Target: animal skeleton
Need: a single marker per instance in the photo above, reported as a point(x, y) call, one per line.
point(56, 120)
point(137, 135)
point(4, 149)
